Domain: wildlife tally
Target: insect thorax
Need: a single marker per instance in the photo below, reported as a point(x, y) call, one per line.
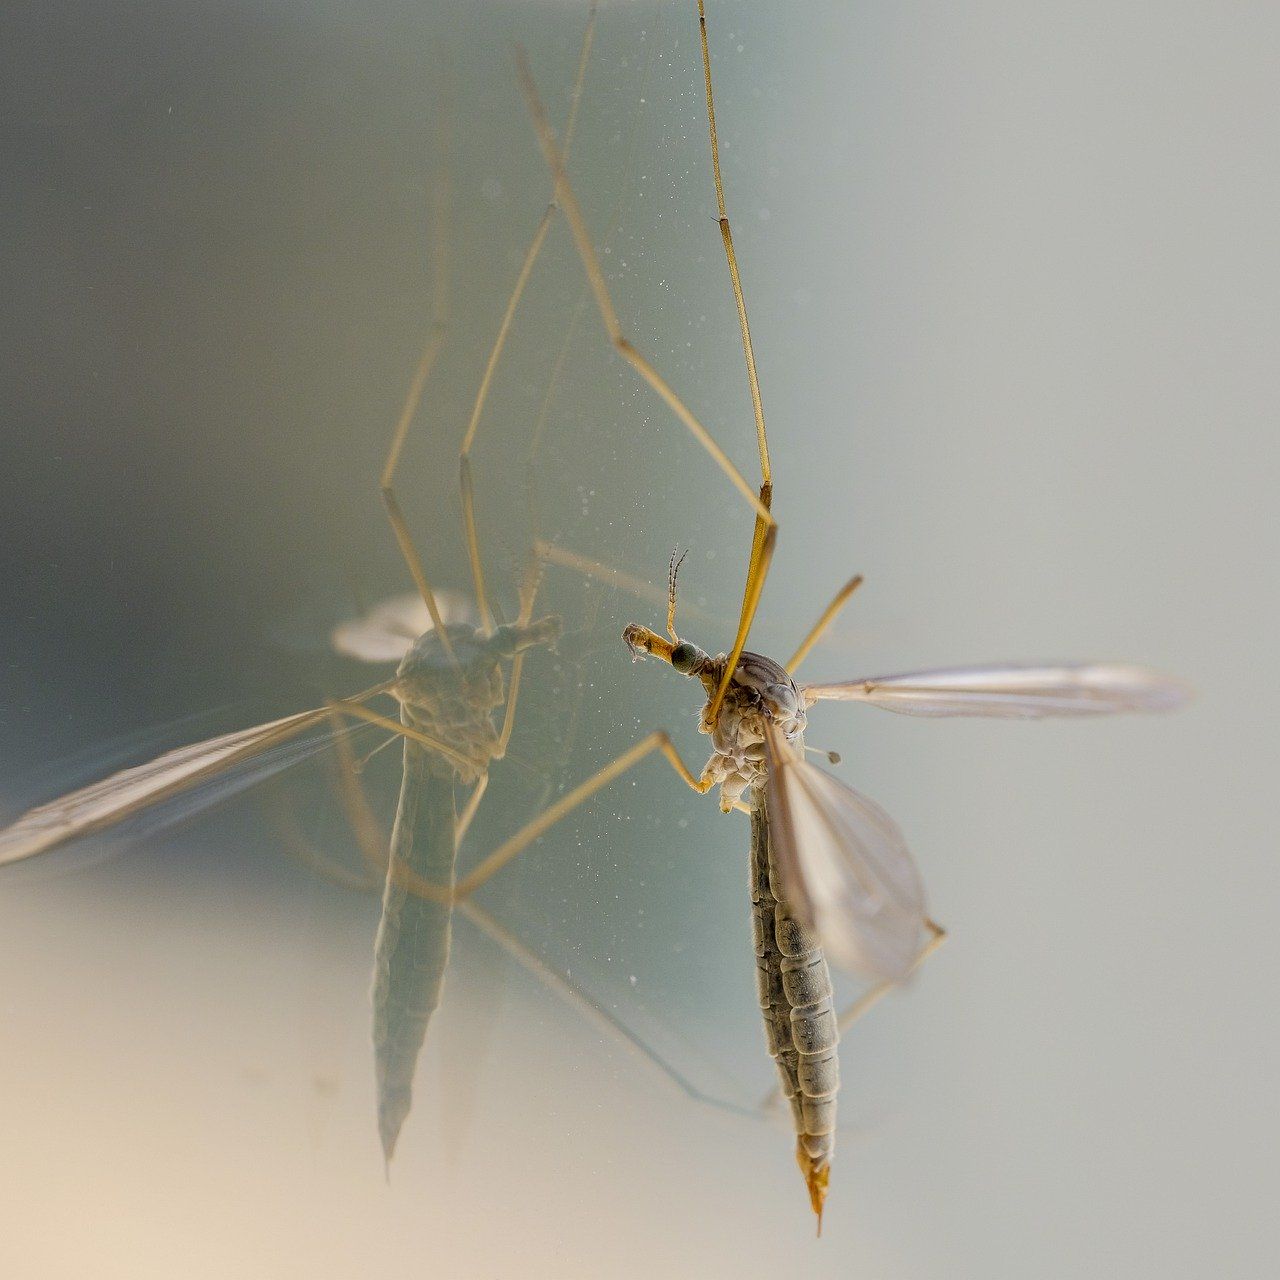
point(761, 691)
point(453, 701)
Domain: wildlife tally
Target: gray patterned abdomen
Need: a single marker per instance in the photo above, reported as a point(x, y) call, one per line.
point(798, 1004)
point(412, 946)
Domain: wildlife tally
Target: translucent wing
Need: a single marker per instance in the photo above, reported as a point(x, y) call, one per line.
point(845, 867)
point(1013, 691)
point(115, 798)
point(388, 630)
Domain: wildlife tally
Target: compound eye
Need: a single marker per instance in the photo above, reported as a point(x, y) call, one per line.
point(684, 657)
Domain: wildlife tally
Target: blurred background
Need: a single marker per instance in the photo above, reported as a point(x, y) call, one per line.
point(1012, 279)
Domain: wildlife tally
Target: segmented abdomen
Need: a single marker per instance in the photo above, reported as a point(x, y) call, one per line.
point(412, 946)
point(798, 1004)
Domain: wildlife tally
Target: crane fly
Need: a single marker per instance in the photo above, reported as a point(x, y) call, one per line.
point(830, 870)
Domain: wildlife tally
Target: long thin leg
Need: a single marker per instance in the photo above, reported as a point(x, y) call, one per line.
point(439, 327)
point(757, 570)
point(360, 816)
point(553, 553)
point(419, 574)
point(500, 342)
point(536, 243)
point(373, 842)
point(582, 1004)
point(408, 731)
point(586, 251)
point(761, 542)
point(571, 329)
point(828, 616)
point(765, 527)
point(543, 551)
point(528, 593)
point(868, 1001)
point(516, 844)
point(463, 823)
point(766, 473)
point(533, 572)
point(659, 740)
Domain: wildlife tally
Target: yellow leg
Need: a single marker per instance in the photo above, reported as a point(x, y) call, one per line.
point(763, 536)
point(586, 251)
point(408, 731)
point(765, 527)
point(426, 362)
point(580, 306)
point(828, 616)
point(463, 824)
point(360, 816)
point(528, 594)
point(473, 543)
point(757, 570)
point(533, 571)
point(430, 352)
point(865, 1003)
point(416, 569)
point(504, 328)
point(516, 844)
point(659, 740)
point(766, 474)
point(374, 846)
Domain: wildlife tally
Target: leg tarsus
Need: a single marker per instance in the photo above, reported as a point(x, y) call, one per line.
point(828, 616)
point(568, 202)
point(659, 740)
point(401, 530)
point(580, 1002)
point(865, 1003)
point(473, 543)
point(405, 730)
point(726, 235)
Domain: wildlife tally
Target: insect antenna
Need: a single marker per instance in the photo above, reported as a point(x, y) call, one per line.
point(672, 573)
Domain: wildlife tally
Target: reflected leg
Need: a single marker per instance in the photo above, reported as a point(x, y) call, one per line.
point(374, 847)
point(609, 317)
point(504, 328)
point(413, 397)
point(865, 1003)
point(659, 740)
point(762, 537)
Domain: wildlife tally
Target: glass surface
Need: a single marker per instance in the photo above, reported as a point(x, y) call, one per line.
point(1012, 281)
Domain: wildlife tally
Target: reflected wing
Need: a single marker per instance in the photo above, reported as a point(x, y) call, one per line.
point(103, 804)
point(1013, 691)
point(845, 867)
point(387, 632)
